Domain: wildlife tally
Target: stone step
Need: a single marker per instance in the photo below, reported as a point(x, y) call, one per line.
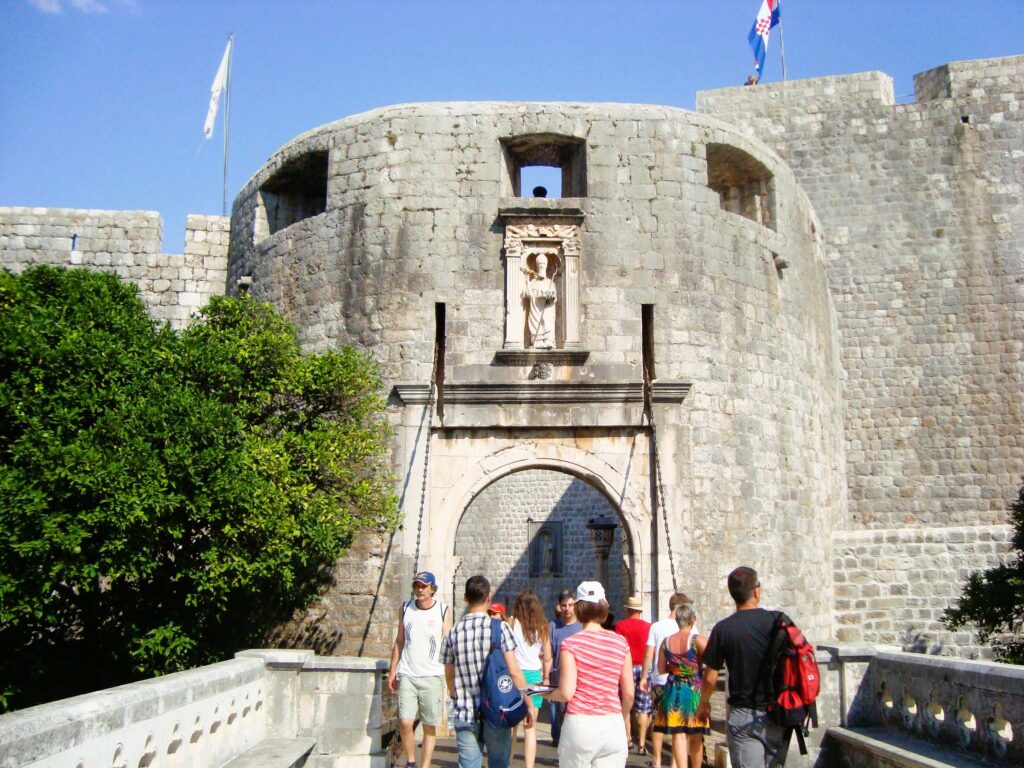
point(891, 749)
point(274, 753)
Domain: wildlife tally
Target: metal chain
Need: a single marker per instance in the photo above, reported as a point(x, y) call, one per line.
point(426, 465)
point(649, 409)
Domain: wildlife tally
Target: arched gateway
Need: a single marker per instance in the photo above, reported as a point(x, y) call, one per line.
point(532, 510)
point(542, 521)
point(547, 530)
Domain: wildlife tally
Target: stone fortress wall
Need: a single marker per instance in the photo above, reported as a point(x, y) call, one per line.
point(891, 310)
point(922, 211)
point(127, 243)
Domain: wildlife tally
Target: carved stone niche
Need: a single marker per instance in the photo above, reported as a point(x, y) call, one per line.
point(542, 286)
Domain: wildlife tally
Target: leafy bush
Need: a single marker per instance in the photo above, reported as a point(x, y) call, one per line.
point(993, 600)
point(166, 498)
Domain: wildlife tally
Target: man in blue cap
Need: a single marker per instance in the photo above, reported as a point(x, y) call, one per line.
point(416, 671)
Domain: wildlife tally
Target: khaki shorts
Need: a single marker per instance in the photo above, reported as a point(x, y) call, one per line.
point(421, 695)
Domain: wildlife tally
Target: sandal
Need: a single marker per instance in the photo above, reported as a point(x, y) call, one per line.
point(642, 750)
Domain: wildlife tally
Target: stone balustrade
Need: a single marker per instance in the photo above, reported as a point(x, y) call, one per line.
point(876, 708)
point(210, 715)
point(907, 708)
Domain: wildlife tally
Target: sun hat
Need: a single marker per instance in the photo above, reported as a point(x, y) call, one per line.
point(633, 603)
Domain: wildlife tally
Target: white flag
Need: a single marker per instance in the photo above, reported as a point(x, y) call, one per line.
point(219, 83)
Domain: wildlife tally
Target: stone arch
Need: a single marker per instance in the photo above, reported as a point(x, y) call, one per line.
point(627, 497)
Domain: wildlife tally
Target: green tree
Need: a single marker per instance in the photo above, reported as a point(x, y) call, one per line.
point(993, 600)
point(166, 498)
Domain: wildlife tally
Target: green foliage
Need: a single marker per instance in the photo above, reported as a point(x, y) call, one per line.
point(993, 600)
point(166, 498)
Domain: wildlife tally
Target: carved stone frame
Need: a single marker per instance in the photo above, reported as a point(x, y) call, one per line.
point(558, 237)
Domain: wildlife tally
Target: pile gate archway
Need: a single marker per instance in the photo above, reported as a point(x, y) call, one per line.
point(464, 464)
point(548, 530)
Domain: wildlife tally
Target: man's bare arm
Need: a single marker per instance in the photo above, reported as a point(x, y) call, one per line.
point(396, 653)
point(645, 671)
point(707, 687)
point(449, 679)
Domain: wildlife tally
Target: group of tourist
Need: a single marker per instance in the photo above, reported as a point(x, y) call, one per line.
point(605, 688)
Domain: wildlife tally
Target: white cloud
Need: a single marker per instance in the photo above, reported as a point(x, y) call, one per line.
point(89, 6)
point(83, 6)
point(47, 6)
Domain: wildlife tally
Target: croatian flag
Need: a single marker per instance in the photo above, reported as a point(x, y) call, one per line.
point(767, 17)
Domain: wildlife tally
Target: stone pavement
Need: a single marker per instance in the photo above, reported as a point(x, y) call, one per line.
point(445, 755)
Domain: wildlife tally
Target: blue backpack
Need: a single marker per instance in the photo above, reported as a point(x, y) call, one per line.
point(501, 704)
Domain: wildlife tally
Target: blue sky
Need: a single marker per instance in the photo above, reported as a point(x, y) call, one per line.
point(102, 102)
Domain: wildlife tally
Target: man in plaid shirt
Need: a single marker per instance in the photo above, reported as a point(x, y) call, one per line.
point(463, 653)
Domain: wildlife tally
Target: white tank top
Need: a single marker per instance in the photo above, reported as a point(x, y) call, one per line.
point(422, 650)
point(528, 655)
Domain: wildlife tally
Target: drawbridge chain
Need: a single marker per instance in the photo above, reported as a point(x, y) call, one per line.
point(660, 490)
point(426, 464)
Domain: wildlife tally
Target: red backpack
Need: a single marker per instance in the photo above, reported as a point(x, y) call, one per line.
point(793, 680)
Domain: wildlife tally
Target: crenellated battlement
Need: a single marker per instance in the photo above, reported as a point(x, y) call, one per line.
point(980, 78)
point(127, 243)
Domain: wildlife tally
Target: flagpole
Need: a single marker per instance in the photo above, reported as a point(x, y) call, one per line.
point(227, 121)
point(782, 45)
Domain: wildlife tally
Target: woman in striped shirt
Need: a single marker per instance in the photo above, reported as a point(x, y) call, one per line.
point(596, 681)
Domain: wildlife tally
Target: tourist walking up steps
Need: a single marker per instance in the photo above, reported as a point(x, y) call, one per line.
point(533, 652)
point(680, 659)
point(416, 671)
point(564, 625)
point(596, 682)
point(635, 630)
point(463, 653)
point(741, 642)
point(649, 675)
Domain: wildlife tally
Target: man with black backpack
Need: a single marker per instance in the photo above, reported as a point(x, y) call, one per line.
point(465, 655)
point(742, 642)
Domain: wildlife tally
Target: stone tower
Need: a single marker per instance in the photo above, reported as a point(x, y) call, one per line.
point(679, 247)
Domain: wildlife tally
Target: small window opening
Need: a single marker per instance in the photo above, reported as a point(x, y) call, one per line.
point(647, 341)
point(540, 181)
point(297, 191)
point(439, 349)
point(556, 163)
point(743, 183)
point(965, 119)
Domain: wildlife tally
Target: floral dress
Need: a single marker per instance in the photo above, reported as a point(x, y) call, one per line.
point(676, 709)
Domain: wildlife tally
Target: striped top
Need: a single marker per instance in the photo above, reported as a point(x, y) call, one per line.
point(599, 656)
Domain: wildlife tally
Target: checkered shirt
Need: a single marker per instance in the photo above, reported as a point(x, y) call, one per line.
point(467, 646)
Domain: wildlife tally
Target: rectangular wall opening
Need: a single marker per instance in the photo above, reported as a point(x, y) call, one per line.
point(297, 191)
point(540, 181)
point(647, 340)
point(439, 350)
point(744, 185)
point(536, 160)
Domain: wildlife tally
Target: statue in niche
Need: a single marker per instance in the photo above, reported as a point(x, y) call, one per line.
point(542, 295)
point(547, 552)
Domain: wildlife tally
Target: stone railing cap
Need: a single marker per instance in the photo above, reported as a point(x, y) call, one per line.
point(275, 658)
point(853, 651)
point(347, 663)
